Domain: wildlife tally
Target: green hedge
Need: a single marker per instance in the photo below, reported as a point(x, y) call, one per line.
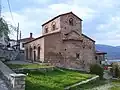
point(97, 69)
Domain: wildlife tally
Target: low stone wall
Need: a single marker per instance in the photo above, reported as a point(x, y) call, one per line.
point(17, 81)
point(21, 70)
point(13, 81)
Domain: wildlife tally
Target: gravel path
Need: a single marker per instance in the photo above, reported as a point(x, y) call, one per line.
point(103, 87)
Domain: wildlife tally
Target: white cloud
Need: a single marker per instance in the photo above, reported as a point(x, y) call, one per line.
point(109, 33)
point(82, 12)
point(26, 25)
point(101, 17)
point(31, 19)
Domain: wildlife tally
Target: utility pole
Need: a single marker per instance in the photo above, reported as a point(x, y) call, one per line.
point(20, 35)
point(17, 36)
point(17, 32)
point(19, 40)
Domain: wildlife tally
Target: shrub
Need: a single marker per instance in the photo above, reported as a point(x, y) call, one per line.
point(97, 69)
point(116, 70)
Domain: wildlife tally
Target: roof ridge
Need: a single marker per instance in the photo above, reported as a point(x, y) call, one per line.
point(88, 37)
point(59, 16)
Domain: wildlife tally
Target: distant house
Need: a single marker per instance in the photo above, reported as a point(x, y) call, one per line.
point(20, 43)
point(12, 42)
point(100, 56)
point(24, 40)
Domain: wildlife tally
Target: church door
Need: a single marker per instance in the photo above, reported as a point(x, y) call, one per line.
point(34, 55)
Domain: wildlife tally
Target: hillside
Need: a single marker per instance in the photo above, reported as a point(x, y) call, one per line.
point(113, 52)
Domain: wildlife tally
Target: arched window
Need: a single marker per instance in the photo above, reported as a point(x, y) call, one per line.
point(46, 30)
point(34, 47)
point(71, 21)
point(26, 53)
point(77, 55)
point(31, 53)
point(38, 52)
point(53, 27)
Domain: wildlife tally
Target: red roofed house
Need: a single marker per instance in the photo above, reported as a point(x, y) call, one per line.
point(24, 40)
point(100, 56)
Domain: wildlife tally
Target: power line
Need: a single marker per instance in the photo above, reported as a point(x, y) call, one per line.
point(11, 12)
point(0, 8)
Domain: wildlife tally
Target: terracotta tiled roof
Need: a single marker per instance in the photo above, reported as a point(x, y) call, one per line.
point(25, 39)
point(41, 37)
point(59, 16)
point(99, 52)
point(72, 40)
point(88, 37)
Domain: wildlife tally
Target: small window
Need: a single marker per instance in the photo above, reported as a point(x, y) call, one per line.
point(90, 47)
point(77, 55)
point(83, 46)
point(71, 21)
point(22, 44)
point(53, 27)
point(46, 30)
point(34, 47)
point(60, 53)
point(96, 57)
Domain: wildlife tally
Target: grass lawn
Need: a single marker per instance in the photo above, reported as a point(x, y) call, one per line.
point(14, 66)
point(116, 84)
point(55, 80)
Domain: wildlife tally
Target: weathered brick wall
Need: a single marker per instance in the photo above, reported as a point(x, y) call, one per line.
point(37, 43)
point(49, 26)
point(65, 27)
point(88, 51)
point(53, 47)
point(63, 52)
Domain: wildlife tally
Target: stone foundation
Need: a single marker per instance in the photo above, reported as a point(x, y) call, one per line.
point(13, 81)
point(17, 81)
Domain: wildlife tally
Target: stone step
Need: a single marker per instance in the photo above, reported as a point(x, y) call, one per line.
point(3, 85)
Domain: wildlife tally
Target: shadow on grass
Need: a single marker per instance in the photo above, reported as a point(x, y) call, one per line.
point(31, 86)
point(53, 73)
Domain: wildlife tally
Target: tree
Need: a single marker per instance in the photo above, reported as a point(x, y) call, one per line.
point(5, 28)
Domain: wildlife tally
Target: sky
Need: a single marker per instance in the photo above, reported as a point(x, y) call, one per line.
point(101, 18)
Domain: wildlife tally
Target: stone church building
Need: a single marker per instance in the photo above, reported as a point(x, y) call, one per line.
point(62, 44)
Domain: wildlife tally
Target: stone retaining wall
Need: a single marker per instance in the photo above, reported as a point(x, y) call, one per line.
point(21, 70)
point(8, 54)
point(13, 81)
point(17, 81)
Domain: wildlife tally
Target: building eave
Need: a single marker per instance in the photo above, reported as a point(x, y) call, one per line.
point(88, 37)
point(61, 15)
